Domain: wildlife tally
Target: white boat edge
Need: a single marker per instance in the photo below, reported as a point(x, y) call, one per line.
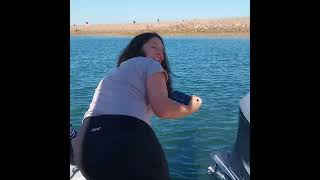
point(75, 173)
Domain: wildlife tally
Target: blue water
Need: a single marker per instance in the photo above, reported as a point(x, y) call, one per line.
point(214, 68)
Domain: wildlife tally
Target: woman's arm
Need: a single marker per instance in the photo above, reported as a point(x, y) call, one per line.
point(163, 106)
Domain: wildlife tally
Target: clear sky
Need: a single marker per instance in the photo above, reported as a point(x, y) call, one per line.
point(126, 11)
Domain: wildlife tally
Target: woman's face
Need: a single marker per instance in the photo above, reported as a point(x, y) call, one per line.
point(154, 49)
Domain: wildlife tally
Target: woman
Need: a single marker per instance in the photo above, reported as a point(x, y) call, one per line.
point(116, 140)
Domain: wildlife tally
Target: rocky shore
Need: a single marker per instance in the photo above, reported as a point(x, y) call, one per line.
point(223, 26)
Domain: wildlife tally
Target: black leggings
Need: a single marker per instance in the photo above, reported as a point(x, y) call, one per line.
point(119, 147)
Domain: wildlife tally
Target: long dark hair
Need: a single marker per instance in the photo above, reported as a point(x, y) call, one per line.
point(134, 49)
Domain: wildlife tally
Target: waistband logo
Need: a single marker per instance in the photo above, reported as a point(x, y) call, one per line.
point(95, 129)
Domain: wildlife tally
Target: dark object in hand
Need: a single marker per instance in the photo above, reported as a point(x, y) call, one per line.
point(180, 97)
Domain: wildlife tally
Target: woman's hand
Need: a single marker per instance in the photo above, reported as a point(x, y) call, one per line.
point(194, 104)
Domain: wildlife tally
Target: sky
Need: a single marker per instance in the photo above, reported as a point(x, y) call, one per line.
point(127, 11)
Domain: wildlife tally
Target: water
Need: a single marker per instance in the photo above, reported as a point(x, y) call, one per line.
point(214, 68)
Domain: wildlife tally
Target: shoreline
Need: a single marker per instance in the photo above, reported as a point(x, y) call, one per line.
point(180, 34)
point(197, 27)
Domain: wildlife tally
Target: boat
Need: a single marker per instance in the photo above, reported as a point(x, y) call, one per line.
point(235, 164)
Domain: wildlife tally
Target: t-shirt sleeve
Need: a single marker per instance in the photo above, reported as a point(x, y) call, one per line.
point(155, 67)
